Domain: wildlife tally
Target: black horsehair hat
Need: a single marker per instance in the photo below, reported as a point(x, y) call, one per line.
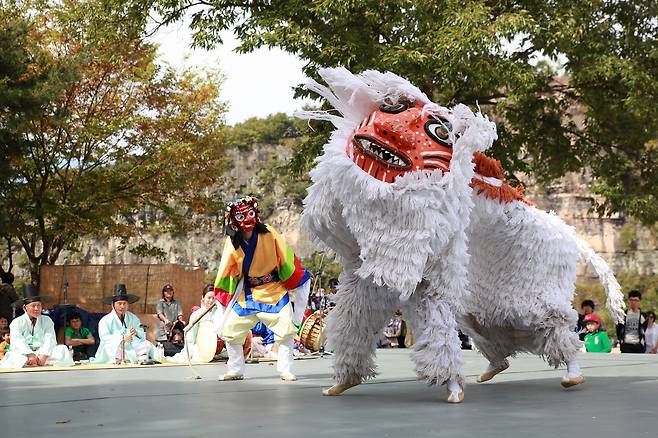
point(120, 294)
point(30, 295)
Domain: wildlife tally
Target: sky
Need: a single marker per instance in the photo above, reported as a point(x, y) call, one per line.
point(256, 84)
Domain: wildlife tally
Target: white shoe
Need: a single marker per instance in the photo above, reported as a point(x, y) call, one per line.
point(488, 375)
point(229, 377)
point(455, 397)
point(338, 389)
point(288, 376)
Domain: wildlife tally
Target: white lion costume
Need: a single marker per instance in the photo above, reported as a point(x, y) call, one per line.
point(420, 219)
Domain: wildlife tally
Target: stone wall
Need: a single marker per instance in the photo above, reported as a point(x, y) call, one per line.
point(623, 244)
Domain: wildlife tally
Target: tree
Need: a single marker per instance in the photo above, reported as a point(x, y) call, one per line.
point(572, 84)
point(122, 135)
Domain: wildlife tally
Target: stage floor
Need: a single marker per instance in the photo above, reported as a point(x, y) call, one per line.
point(619, 398)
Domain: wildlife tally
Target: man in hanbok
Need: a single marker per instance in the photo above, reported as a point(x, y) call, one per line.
point(271, 279)
point(33, 339)
point(122, 337)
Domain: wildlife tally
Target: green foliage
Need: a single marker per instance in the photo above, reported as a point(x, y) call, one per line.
point(572, 83)
point(120, 133)
point(327, 267)
point(270, 130)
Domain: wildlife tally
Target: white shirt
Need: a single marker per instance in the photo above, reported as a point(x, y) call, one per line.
point(651, 337)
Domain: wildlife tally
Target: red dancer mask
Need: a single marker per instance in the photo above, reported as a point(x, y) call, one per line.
point(243, 214)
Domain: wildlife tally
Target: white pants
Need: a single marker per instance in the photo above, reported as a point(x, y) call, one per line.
point(59, 356)
point(235, 364)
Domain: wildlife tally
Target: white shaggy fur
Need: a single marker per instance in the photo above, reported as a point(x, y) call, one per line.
point(407, 243)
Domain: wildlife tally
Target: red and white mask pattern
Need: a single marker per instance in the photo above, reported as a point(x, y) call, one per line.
point(400, 138)
point(245, 217)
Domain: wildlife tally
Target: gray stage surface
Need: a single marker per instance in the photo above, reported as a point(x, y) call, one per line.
point(619, 399)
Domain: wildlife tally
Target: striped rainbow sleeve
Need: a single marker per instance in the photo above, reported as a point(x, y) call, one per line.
point(291, 272)
point(227, 275)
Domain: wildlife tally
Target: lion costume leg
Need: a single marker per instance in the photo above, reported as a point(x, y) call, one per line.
point(362, 310)
point(561, 344)
point(437, 349)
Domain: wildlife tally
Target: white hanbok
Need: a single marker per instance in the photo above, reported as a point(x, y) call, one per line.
point(191, 336)
point(38, 339)
point(111, 331)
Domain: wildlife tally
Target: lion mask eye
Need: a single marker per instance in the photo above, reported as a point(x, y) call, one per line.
point(393, 108)
point(439, 130)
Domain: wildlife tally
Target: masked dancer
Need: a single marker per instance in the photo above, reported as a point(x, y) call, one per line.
point(275, 287)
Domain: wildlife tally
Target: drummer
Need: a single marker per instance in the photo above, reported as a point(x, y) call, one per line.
point(196, 351)
point(272, 279)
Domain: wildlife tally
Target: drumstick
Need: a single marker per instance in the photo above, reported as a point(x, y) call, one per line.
point(191, 324)
point(238, 291)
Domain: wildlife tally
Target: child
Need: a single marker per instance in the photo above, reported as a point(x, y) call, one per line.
point(4, 322)
point(4, 345)
point(596, 341)
point(77, 337)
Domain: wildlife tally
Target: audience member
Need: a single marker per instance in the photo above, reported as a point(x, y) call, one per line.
point(207, 288)
point(393, 331)
point(207, 301)
point(596, 340)
point(120, 332)
point(78, 337)
point(317, 300)
point(4, 345)
point(587, 307)
point(176, 341)
point(331, 296)
point(651, 333)
point(33, 340)
point(262, 341)
point(631, 332)
point(8, 295)
point(168, 311)
point(4, 322)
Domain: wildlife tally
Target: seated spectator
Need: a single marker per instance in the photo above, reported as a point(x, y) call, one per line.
point(651, 333)
point(393, 331)
point(168, 311)
point(78, 337)
point(317, 300)
point(120, 332)
point(207, 288)
point(596, 340)
point(33, 340)
point(175, 341)
point(4, 345)
point(262, 341)
point(4, 322)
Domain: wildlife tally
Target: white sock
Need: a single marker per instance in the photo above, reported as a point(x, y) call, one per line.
point(284, 356)
point(454, 386)
point(235, 364)
point(573, 369)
